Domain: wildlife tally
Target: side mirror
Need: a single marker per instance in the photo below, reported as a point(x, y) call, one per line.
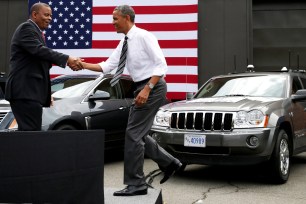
point(299, 95)
point(99, 95)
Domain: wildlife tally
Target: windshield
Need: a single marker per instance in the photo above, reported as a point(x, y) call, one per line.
point(258, 86)
point(72, 91)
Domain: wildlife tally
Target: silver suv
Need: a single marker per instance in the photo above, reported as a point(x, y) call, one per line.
point(239, 119)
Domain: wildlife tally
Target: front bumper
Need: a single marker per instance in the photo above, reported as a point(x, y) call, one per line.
point(221, 147)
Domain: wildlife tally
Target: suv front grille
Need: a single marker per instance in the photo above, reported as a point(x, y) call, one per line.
point(207, 121)
point(2, 115)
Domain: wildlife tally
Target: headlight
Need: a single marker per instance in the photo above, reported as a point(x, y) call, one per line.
point(253, 118)
point(162, 118)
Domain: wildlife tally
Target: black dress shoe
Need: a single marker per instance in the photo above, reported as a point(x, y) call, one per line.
point(170, 170)
point(132, 191)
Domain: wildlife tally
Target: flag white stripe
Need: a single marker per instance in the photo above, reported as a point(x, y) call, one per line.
point(192, 52)
point(180, 87)
point(172, 70)
point(163, 35)
point(152, 18)
point(182, 70)
point(143, 2)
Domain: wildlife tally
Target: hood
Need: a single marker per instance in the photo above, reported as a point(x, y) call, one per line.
point(222, 104)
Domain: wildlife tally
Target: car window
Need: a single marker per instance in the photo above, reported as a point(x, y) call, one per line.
point(128, 88)
point(105, 86)
point(303, 82)
point(267, 86)
point(61, 83)
point(72, 91)
point(296, 84)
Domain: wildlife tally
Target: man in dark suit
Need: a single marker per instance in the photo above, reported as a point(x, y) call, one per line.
point(28, 86)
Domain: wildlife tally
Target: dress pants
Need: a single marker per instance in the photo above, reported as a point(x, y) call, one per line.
point(137, 140)
point(28, 114)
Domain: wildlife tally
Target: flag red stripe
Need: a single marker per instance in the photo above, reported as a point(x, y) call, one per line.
point(177, 9)
point(171, 61)
point(174, 96)
point(181, 26)
point(193, 79)
point(163, 43)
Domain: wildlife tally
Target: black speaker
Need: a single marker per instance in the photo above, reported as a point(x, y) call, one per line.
point(52, 166)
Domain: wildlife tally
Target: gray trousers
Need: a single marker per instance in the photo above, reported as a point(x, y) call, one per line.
point(137, 141)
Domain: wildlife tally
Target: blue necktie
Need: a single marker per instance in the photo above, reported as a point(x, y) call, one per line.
point(121, 63)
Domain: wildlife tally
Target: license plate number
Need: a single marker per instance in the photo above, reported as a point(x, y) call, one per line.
point(195, 140)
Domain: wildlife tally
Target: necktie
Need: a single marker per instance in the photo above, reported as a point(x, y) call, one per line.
point(43, 36)
point(121, 63)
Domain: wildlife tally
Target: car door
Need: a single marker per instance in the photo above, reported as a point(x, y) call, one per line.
point(298, 115)
point(110, 114)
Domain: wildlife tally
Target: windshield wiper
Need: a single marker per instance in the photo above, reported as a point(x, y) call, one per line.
point(237, 95)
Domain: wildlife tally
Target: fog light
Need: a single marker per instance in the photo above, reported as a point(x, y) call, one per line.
point(253, 141)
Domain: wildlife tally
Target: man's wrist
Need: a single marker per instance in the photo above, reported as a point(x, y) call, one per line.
point(150, 85)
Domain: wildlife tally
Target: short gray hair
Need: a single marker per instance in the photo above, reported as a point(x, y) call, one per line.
point(126, 10)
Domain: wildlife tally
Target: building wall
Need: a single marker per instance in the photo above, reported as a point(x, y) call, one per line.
point(279, 29)
point(12, 13)
point(225, 34)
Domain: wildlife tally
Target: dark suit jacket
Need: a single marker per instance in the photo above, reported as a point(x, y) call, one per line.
point(31, 59)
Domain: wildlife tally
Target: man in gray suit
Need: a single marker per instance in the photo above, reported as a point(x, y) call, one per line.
point(28, 86)
point(140, 54)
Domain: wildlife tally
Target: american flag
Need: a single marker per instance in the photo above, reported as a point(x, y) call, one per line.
point(84, 28)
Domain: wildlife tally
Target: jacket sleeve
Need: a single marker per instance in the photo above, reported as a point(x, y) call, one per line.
point(30, 41)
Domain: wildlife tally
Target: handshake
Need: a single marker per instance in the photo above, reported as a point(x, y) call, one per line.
point(75, 63)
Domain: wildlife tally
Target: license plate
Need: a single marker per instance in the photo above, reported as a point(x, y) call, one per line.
point(195, 140)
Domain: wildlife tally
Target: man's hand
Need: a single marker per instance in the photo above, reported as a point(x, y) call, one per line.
point(75, 63)
point(142, 97)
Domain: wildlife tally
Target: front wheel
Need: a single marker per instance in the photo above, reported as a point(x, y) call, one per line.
point(280, 160)
point(66, 127)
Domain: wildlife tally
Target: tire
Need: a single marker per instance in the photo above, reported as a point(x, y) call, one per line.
point(280, 160)
point(65, 127)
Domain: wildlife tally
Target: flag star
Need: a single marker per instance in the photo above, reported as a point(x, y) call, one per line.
point(60, 15)
point(59, 37)
point(60, 26)
point(76, 43)
point(65, 32)
point(77, 20)
point(72, 3)
point(77, 8)
point(49, 26)
point(82, 37)
point(55, 8)
point(82, 25)
point(61, 3)
point(49, 37)
point(65, 43)
point(71, 26)
point(55, 20)
point(88, 8)
point(66, 8)
point(71, 14)
point(82, 14)
point(76, 32)
point(83, 2)
point(54, 43)
point(87, 20)
point(70, 37)
point(66, 20)
point(54, 32)
point(87, 31)
point(50, 3)
point(86, 43)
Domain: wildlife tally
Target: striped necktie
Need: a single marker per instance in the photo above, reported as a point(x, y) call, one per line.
point(121, 63)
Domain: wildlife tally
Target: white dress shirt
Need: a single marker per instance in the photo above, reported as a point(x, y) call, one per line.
point(144, 56)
